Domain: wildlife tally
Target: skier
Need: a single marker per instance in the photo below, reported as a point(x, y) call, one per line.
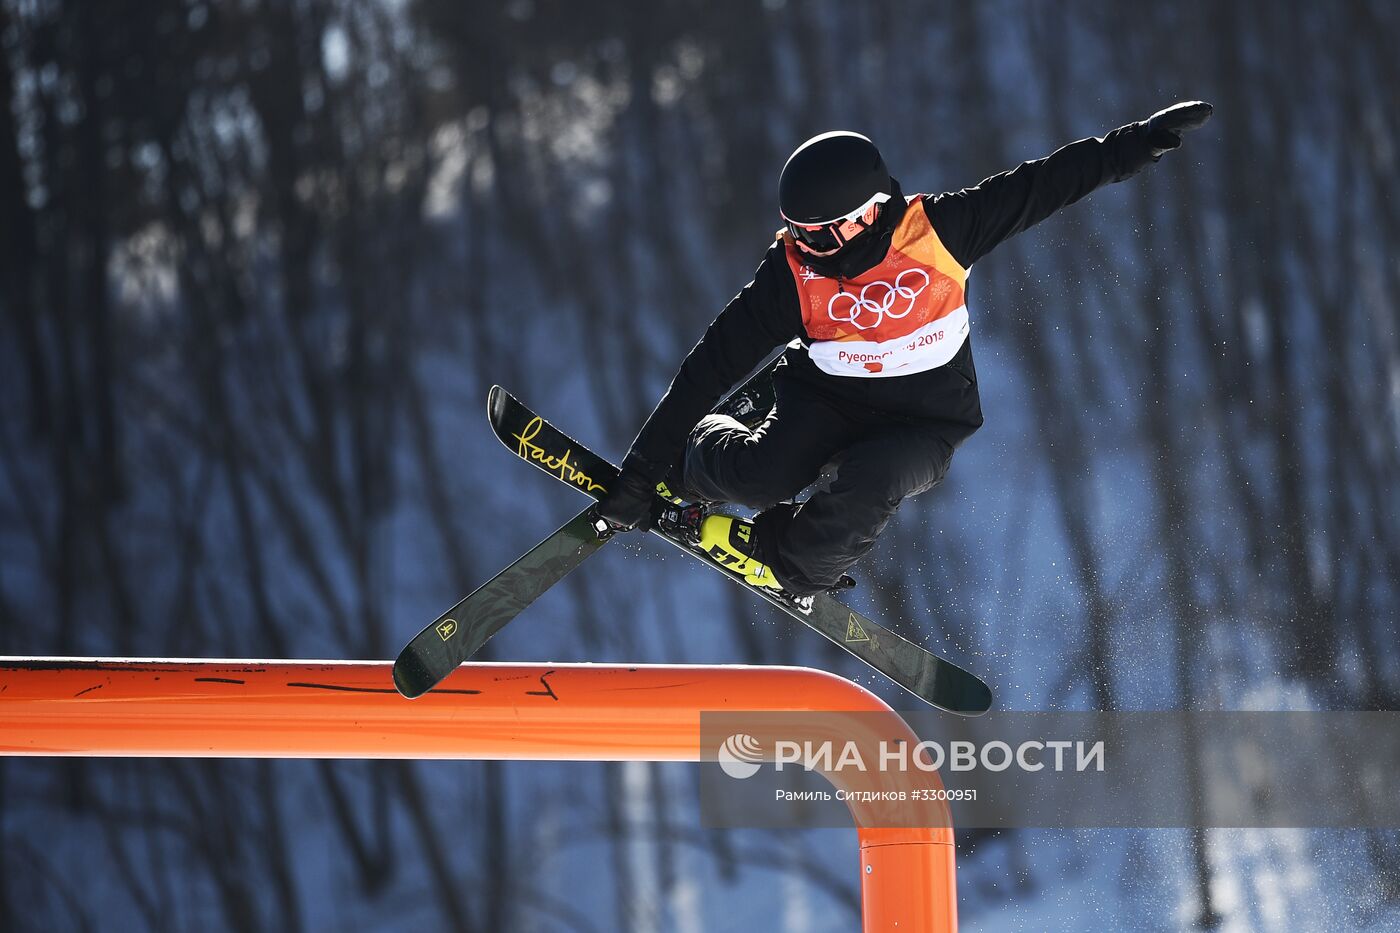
point(867, 288)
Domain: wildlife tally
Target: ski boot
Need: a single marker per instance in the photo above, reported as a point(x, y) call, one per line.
point(725, 539)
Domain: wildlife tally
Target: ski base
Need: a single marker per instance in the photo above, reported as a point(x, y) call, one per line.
point(459, 633)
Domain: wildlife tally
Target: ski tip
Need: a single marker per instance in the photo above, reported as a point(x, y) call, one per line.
point(977, 701)
point(498, 404)
point(410, 677)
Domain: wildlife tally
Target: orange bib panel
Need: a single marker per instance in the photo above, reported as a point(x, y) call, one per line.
point(905, 315)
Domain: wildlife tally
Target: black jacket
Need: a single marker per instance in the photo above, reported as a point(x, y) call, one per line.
point(766, 314)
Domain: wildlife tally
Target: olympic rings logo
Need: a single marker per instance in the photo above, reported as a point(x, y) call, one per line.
point(877, 300)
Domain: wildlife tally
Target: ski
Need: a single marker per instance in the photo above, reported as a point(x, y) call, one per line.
point(459, 633)
point(932, 679)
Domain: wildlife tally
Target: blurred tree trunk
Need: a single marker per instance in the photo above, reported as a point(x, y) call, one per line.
point(1169, 464)
point(19, 240)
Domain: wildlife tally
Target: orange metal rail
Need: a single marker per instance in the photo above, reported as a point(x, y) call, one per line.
point(582, 712)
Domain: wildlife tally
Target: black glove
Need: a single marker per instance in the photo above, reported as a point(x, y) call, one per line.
point(630, 503)
point(1164, 128)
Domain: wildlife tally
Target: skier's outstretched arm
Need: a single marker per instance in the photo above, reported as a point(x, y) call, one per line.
point(973, 221)
point(765, 314)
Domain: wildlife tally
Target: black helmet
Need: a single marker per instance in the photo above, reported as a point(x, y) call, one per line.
point(827, 180)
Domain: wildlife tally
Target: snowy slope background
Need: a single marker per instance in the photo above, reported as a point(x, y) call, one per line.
point(260, 262)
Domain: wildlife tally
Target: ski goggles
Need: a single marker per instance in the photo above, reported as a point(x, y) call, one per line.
point(826, 237)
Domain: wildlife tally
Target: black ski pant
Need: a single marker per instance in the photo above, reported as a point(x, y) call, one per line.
point(878, 461)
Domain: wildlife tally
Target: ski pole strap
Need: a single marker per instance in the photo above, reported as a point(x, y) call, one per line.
point(605, 529)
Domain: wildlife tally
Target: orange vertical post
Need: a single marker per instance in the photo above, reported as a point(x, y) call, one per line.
point(339, 709)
